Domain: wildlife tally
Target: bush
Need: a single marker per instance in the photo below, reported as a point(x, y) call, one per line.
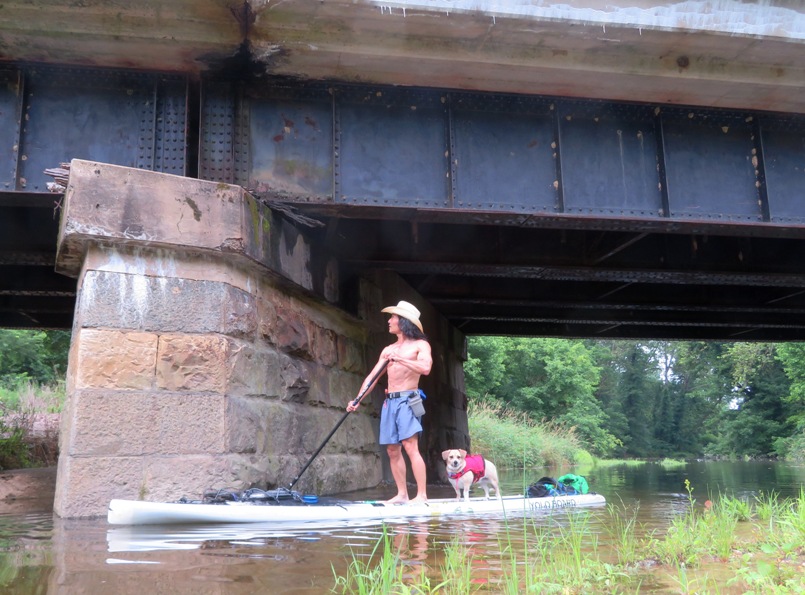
point(513, 440)
point(27, 439)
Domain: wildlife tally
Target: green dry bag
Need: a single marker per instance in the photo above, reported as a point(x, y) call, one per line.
point(577, 482)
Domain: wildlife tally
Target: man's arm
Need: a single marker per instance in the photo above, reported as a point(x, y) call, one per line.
point(421, 364)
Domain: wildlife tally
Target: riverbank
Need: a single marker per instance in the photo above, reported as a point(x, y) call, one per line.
point(24, 491)
point(514, 441)
point(729, 545)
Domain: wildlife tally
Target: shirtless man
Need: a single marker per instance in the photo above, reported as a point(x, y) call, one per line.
point(407, 359)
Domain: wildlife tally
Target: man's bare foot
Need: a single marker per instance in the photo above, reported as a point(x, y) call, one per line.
point(398, 499)
point(419, 500)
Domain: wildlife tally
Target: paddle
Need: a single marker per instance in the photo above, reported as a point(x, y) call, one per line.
point(343, 417)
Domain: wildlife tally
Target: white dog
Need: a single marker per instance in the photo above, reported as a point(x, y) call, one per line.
point(464, 471)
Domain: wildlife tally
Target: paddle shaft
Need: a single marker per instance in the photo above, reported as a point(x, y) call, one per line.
point(340, 421)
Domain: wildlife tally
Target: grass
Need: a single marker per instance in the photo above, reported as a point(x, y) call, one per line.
point(22, 443)
point(671, 463)
point(515, 441)
point(731, 546)
point(618, 462)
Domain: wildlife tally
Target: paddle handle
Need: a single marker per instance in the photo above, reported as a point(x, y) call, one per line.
point(340, 421)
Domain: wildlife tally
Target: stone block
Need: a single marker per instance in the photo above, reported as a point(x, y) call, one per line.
point(294, 255)
point(142, 206)
point(165, 304)
point(290, 333)
point(318, 392)
point(332, 473)
point(351, 356)
point(295, 376)
point(167, 478)
point(191, 423)
point(266, 318)
point(108, 423)
point(343, 387)
point(85, 485)
point(193, 363)
point(115, 359)
point(324, 347)
point(255, 370)
point(245, 425)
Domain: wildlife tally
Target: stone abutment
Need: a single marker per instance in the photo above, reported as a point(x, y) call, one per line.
point(209, 352)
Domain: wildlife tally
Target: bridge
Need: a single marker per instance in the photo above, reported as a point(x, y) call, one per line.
point(515, 210)
point(536, 169)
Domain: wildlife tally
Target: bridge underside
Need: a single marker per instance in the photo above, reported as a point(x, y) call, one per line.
point(510, 214)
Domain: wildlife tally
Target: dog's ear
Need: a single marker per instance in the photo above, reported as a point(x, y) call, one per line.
point(463, 453)
point(445, 454)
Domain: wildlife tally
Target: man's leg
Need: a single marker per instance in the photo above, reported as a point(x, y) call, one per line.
point(397, 464)
point(417, 466)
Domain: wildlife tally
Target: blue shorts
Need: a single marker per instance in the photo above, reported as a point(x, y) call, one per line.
point(397, 421)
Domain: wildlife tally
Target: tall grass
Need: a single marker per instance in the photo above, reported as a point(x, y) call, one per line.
point(28, 434)
point(514, 441)
point(562, 555)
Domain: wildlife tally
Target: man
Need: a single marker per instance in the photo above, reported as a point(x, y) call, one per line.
point(407, 359)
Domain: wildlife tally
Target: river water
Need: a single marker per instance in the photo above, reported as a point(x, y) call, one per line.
point(43, 554)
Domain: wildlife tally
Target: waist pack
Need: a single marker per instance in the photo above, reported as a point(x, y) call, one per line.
point(415, 402)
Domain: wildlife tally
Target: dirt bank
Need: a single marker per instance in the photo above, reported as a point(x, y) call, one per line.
point(27, 490)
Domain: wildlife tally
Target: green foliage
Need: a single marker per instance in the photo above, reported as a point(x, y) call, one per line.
point(653, 398)
point(792, 448)
point(513, 440)
point(20, 446)
point(622, 530)
point(547, 379)
point(792, 358)
point(561, 555)
point(15, 449)
point(758, 413)
point(39, 356)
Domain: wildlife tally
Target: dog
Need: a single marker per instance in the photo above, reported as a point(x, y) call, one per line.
point(464, 471)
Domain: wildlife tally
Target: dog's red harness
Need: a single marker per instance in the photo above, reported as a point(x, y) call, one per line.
point(474, 464)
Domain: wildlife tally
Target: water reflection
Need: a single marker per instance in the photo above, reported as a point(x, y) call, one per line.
point(40, 554)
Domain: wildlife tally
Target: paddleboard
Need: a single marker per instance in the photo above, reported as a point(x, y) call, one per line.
point(136, 512)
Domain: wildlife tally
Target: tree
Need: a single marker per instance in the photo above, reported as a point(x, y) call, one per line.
point(546, 378)
point(40, 356)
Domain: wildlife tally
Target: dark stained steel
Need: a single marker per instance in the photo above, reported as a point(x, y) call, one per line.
point(130, 119)
point(511, 214)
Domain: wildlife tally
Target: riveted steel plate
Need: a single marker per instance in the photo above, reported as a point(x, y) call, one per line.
point(10, 104)
point(102, 116)
point(290, 147)
point(504, 161)
point(217, 134)
point(170, 147)
point(392, 155)
point(609, 161)
point(784, 158)
point(709, 166)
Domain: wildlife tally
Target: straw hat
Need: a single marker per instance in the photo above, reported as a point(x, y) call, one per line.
point(407, 311)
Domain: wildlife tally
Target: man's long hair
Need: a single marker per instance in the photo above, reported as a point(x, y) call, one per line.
point(410, 330)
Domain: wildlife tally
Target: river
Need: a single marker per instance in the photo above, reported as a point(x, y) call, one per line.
point(41, 554)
